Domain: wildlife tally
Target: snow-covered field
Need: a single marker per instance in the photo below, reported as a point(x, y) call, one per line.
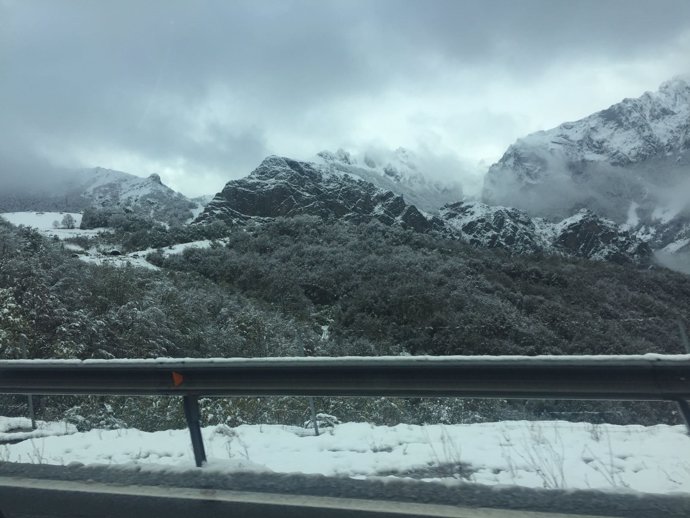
point(44, 222)
point(552, 454)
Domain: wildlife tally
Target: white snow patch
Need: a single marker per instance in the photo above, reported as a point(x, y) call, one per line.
point(552, 454)
point(19, 428)
point(651, 358)
point(120, 261)
point(138, 258)
point(44, 223)
point(180, 247)
point(198, 209)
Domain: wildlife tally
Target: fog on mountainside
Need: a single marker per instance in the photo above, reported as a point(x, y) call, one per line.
point(26, 175)
point(637, 150)
point(658, 184)
point(679, 261)
point(629, 163)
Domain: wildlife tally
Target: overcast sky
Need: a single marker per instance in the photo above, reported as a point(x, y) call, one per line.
point(201, 91)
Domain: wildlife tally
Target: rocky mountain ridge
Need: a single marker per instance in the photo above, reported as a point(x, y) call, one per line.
point(285, 187)
point(583, 235)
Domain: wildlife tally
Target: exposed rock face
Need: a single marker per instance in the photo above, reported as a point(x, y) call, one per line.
point(156, 179)
point(496, 227)
point(629, 163)
point(284, 187)
point(589, 236)
point(583, 235)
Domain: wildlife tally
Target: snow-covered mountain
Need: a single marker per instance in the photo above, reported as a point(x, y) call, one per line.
point(107, 189)
point(398, 172)
point(284, 187)
point(583, 235)
point(629, 163)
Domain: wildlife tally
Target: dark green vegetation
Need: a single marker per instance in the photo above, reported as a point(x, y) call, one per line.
point(328, 288)
point(132, 232)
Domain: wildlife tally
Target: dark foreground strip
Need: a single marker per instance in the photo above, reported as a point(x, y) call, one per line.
point(56, 498)
point(268, 494)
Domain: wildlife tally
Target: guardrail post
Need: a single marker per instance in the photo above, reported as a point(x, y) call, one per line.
point(312, 410)
point(684, 408)
point(193, 416)
point(32, 413)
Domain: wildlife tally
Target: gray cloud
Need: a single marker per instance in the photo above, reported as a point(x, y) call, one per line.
point(206, 89)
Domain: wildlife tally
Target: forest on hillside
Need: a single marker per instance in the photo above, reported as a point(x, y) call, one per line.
point(303, 285)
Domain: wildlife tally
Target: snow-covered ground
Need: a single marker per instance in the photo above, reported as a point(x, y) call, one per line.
point(44, 222)
point(134, 259)
point(19, 428)
point(552, 454)
point(138, 258)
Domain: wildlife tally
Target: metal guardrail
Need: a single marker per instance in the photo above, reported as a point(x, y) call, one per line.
point(644, 378)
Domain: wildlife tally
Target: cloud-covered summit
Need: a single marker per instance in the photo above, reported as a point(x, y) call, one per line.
point(200, 93)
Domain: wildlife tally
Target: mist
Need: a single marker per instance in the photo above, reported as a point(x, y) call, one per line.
point(679, 261)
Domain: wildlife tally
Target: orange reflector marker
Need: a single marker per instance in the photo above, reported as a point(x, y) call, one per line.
point(177, 378)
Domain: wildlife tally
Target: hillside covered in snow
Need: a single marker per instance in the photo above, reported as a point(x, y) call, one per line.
point(107, 190)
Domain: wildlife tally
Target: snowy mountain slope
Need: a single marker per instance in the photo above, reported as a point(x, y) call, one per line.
point(631, 131)
point(496, 227)
point(629, 163)
point(583, 235)
point(106, 189)
point(398, 173)
point(587, 235)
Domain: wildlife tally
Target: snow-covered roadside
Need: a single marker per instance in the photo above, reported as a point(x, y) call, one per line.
point(530, 454)
point(19, 428)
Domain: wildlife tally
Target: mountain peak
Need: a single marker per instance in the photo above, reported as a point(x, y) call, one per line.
point(631, 132)
point(400, 171)
point(678, 84)
point(282, 187)
point(341, 155)
point(636, 153)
